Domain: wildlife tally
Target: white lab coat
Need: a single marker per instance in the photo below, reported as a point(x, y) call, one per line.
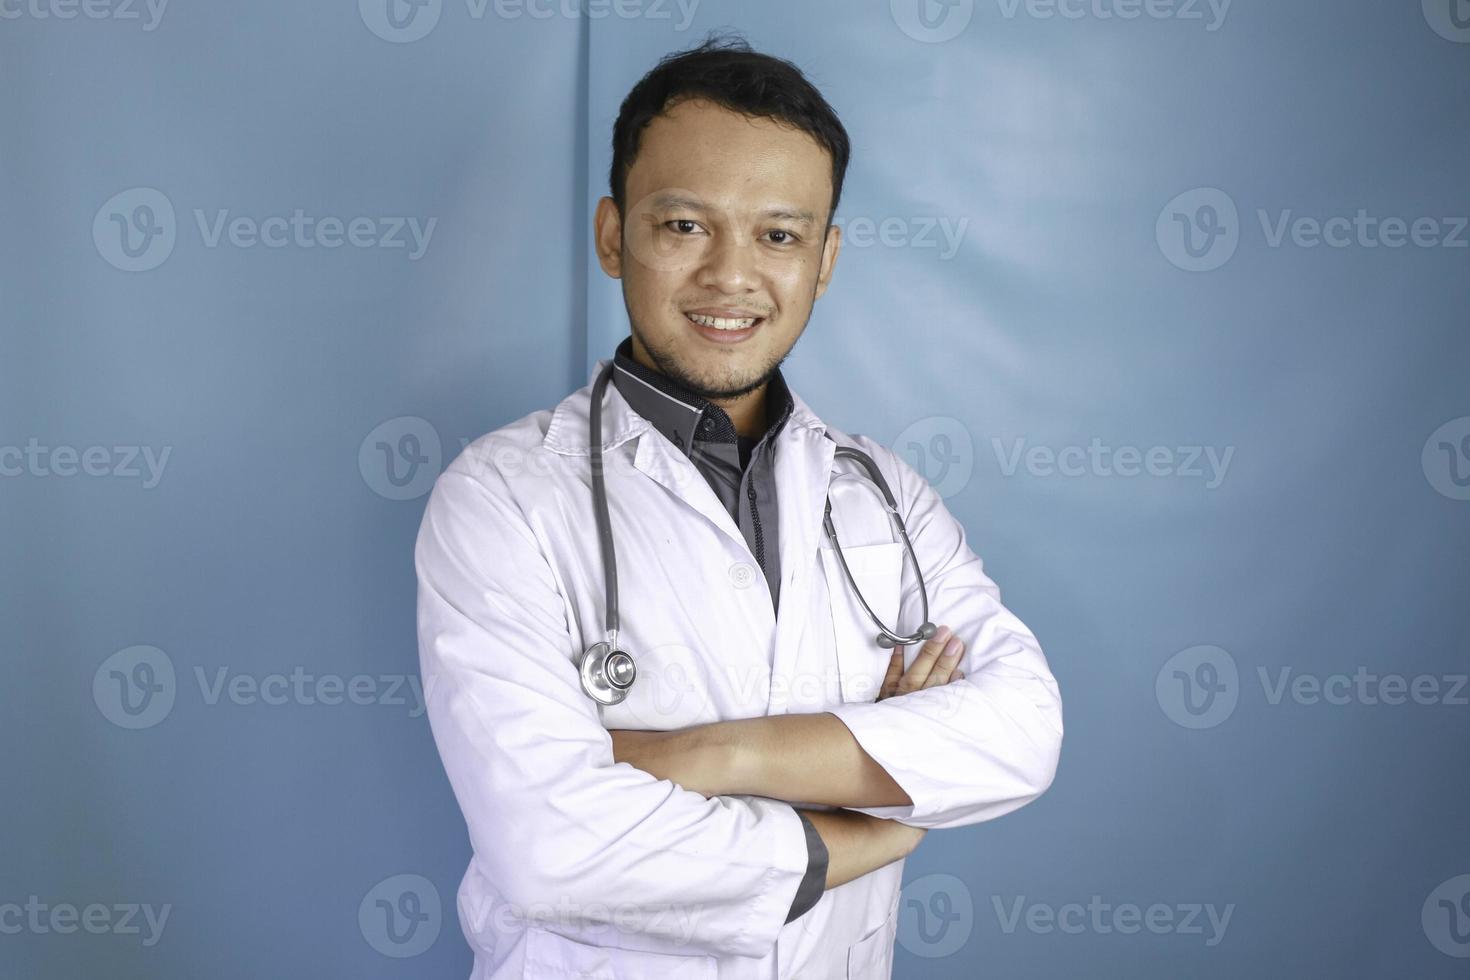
point(583, 867)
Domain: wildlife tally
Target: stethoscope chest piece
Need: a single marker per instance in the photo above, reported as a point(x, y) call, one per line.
point(607, 674)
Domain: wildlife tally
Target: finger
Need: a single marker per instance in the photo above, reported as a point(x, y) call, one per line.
point(944, 668)
point(918, 671)
point(890, 680)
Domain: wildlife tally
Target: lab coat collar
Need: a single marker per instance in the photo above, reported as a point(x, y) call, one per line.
point(682, 415)
point(567, 432)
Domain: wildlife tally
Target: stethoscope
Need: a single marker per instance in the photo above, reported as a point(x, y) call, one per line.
point(608, 673)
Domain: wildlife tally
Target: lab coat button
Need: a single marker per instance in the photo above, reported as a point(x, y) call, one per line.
point(742, 573)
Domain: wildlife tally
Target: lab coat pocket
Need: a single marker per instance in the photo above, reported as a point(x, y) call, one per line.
point(871, 958)
point(878, 571)
point(551, 955)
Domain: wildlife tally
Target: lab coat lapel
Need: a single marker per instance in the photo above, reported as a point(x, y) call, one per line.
point(674, 471)
point(804, 454)
point(654, 456)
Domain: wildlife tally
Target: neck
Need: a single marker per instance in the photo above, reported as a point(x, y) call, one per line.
point(747, 412)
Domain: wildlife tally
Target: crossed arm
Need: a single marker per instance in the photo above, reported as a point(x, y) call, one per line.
point(803, 758)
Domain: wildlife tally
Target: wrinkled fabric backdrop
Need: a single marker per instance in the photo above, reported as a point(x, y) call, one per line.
point(1168, 298)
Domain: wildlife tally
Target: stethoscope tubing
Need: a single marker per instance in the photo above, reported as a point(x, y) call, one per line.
point(608, 686)
point(600, 511)
point(887, 638)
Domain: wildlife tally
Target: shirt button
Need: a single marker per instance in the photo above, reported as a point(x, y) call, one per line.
point(742, 573)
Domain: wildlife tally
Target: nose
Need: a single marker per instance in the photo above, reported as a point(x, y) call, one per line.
point(728, 264)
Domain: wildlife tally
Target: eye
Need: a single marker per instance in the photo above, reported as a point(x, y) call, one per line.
point(790, 239)
point(680, 222)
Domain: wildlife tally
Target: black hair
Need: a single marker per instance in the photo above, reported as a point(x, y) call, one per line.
point(725, 70)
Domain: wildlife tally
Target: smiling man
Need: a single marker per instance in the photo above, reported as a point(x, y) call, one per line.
point(735, 800)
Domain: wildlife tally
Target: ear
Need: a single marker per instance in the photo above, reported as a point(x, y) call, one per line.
point(830, 248)
point(607, 237)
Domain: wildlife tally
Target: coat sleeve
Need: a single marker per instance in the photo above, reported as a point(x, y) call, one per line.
point(976, 748)
point(593, 849)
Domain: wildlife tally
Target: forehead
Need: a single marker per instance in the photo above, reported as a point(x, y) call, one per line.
point(730, 161)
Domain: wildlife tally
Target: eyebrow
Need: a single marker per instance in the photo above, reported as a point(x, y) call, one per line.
point(693, 204)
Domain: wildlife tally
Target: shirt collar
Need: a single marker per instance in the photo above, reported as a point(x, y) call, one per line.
point(681, 415)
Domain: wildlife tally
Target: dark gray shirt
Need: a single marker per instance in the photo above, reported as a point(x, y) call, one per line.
point(741, 471)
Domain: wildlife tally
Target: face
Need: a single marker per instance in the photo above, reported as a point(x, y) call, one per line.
point(725, 219)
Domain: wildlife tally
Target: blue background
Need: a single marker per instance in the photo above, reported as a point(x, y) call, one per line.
point(1073, 152)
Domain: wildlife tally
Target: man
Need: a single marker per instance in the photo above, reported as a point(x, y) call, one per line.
point(744, 812)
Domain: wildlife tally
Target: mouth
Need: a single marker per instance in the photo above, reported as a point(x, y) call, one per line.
point(725, 329)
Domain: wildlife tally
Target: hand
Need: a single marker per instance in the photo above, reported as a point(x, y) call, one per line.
point(929, 669)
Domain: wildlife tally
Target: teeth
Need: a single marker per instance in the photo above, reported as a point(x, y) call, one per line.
point(719, 323)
